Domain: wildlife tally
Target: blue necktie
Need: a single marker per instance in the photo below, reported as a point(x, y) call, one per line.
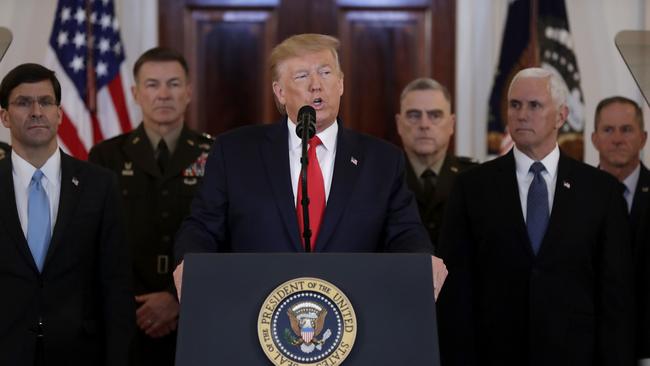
point(537, 207)
point(38, 220)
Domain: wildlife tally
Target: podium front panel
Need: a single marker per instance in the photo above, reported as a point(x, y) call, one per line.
point(392, 296)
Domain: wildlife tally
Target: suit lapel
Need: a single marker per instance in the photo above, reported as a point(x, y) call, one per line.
point(641, 195)
point(71, 186)
point(347, 163)
point(562, 201)
point(507, 180)
point(9, 214)
point(275, 154)
point(138, 148)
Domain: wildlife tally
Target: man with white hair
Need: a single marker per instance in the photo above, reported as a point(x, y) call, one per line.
point(538, 250)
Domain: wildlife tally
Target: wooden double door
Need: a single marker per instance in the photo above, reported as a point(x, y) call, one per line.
point(384, 45)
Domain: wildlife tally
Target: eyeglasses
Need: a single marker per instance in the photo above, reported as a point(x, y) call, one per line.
point(26, 103)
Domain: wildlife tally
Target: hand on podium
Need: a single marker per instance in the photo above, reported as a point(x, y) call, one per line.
point(178, 279)
point(439, 274)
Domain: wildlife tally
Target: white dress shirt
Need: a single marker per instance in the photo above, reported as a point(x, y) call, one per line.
point(525, 177)
point(326, 152)
point(22, 174)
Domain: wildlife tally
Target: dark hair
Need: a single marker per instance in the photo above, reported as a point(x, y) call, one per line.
point(160, 54)
point(27, 73)
point(638, 113)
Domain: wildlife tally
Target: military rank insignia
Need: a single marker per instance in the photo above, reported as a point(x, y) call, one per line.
point(127, 171)
point(307, 322)
point(197, 168)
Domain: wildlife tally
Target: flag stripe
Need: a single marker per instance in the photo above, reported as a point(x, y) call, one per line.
point(97, 132)
point(70, 138)
point(107, 115)
point(75, 25)
point(117, 94)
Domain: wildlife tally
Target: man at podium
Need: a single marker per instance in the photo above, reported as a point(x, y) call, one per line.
point(249, 199)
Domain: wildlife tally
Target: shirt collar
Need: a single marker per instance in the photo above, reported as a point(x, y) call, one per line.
point(550, 161)
point(327, 136)
point(632, 179)
point(24, 170)
point(171, 139)
point(419, 168)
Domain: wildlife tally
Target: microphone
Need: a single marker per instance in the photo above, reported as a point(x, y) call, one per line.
point(305, 129)
point(306, 117)
point(5, 40)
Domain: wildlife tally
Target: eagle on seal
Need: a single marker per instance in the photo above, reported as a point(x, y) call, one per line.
point(307, 326)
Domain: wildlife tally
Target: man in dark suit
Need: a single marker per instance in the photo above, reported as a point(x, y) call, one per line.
point(425, 124)
point(248, 199)
point(642, 252)
point(619, 137)
point(64, 262)
point(538, 250)
point(159, 166)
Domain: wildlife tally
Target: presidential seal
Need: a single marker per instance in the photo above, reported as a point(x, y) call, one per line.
point(307, 321)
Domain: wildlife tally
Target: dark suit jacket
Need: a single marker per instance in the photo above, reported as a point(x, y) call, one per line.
point(246, 203)
point(640, 218)
point(82, 298)
point(641, 196)
point(571, 304)
point(432, 210)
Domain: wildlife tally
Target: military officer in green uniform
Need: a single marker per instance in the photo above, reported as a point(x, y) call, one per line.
point(425, 124)
point(159, 166)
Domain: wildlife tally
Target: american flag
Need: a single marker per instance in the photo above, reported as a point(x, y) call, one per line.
point(86, 52)
point(537, 34)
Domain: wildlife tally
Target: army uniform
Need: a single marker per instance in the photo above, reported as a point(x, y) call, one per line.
point(432, 209)
point(154, 205)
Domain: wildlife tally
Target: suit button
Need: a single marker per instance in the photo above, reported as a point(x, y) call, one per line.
point(164, 214)
point(164, 192)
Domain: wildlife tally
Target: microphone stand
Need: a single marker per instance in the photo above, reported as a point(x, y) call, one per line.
point(305, 197)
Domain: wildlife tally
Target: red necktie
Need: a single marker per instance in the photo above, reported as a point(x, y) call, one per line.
point(316, 191)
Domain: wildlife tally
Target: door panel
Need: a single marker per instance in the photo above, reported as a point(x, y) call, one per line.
point(384, 45)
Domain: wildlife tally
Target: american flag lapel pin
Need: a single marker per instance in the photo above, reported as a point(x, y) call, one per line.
point(75, 181)
point(354, 161)
point(566, 184)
